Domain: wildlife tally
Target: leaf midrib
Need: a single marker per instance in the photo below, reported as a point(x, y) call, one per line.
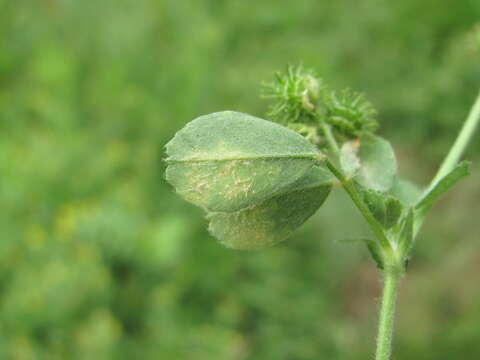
point(312, 156)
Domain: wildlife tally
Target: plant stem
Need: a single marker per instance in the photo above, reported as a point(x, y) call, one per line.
point(387, 313)
point(392, 273)
point(362, 207)
point(332, 143)
point(352, 190)
point(463, 139)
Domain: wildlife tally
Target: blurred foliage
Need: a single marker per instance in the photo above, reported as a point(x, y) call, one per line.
point(100, 260)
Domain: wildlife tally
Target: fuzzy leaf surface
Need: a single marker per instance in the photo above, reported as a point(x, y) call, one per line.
point(370, 160)
point(229, 161)
point(385, 208)
point(274, 219)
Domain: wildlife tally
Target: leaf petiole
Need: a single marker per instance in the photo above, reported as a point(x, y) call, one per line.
point(451, 160)
point(463, 139)
point(351, 190)
point(332, 143)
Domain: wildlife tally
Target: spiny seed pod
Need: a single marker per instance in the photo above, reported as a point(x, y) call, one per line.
point(350, 113)
point(296, 94)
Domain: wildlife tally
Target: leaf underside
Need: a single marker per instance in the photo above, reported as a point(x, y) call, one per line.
point(274, 219)
point(229, 161)
point(258, 181)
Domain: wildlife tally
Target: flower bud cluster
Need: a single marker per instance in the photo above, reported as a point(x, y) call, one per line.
point(302, 101)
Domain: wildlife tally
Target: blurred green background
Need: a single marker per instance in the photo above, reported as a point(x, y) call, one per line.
point(99, 259)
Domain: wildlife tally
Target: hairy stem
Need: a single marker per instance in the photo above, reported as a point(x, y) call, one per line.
point(463, 139)
point(392, 274)
point(352, 190)
point(332, 143)
point(387, 313)
point(360, 204)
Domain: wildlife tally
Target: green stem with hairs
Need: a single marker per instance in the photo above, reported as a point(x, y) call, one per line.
point(352, 191)
point(456, 151)
point(463, 139)
point(391, 281)
point(332, 143)
point(392, 273)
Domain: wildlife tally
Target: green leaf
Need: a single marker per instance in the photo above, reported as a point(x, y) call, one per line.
point(394, 209)
point(406, 234)
point(370, 160)
point(376, 203)
point(228, 161)
point(273, 220)
point(442, 186)
point(405, 191)
point(385, 208)
point(259, 181)
point(376, 252)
